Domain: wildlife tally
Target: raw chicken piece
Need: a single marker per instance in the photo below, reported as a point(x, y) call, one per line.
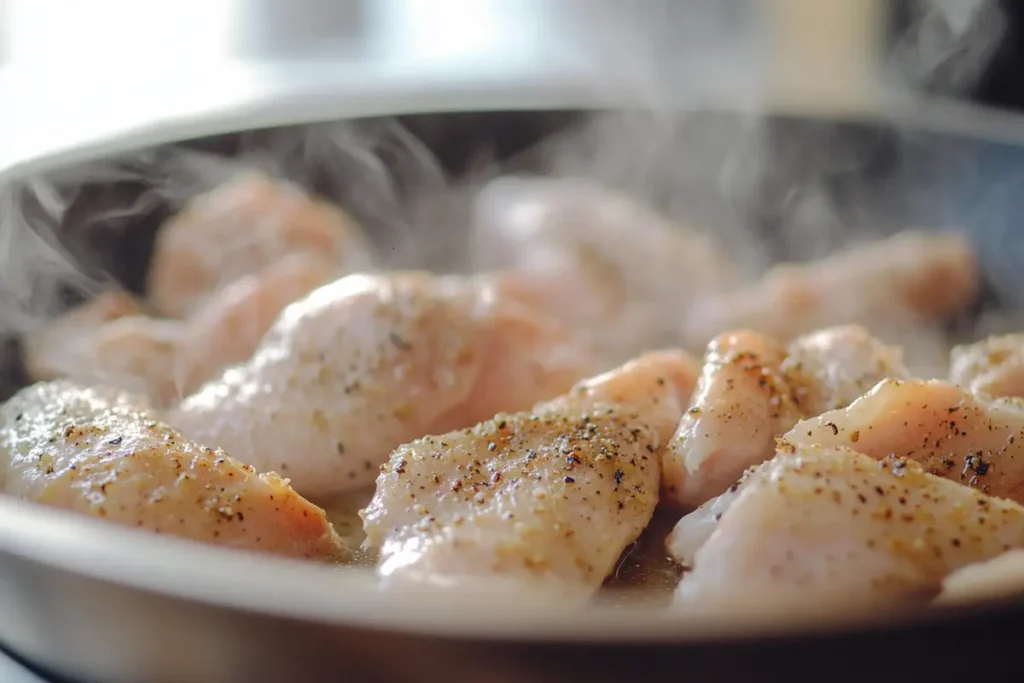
point(94, 452)
point(752, 389)
point(239, 229)
point(369, 362)
point(821, 524)
point(994, 366)
point(550, 497)
point(598, 259)
point(228, 328)
point(136, 353)
point(167, 359)
point(914, 275)
point(62, 346)
point(999, 577)
point(970, 439)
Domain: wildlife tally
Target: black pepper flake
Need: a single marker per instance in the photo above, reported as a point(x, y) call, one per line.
point(618, 476)
point(570, 480)
point(399, 343)
point(833, 427)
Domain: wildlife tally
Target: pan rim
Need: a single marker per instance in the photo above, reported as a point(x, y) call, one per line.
point(337, 596)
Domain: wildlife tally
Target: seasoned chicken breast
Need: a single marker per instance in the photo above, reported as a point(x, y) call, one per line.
point(93, 451)
point(820, 525)
point(600, 260)
point(913, 275)
point(238, 229)
point(549, 497)
point(369, 362)
point(974, 440)
point(993, 366)
point(753, 389)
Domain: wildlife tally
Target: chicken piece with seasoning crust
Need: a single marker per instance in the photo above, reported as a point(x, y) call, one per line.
point(826, 526)
point(971, 439)
point(369, 362)
point(913, 275)
point(598, 259)
point(91, 450)
point(994, 366)
point(240, 228)
point(753, 389)
point(546, 498)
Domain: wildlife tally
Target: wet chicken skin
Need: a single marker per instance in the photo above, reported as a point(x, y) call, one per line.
point(753, 389)
point(238, 229)
point(819, 525)
point(93, 451)
point(993, 366)
point(973, 440)
point(369, 362)
point(914, 275)
point(549, 497)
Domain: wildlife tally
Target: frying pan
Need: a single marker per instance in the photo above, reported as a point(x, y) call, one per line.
point(87, 601)
point(81, 600)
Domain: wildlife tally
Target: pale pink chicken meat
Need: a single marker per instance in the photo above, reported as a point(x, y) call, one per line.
point(971, 439)
point(93, 451)
point(165, 359)
point(239, 229)
point(912, 277)
point(822, 526)
point(753, 389)
point(61, 346)
point(369, 362)
point(993, 366)
point(599, 259)
point(548, 498)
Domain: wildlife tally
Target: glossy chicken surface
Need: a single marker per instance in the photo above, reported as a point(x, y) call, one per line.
point(822, 525)
point(974, 440)
point(753, 389)
point(369, 362)
point(993, 366)
point(94, 451)
point(238, 229)
point(550, 496)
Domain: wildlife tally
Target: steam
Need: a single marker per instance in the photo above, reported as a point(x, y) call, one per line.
point(765, 189)
point(949, 43)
